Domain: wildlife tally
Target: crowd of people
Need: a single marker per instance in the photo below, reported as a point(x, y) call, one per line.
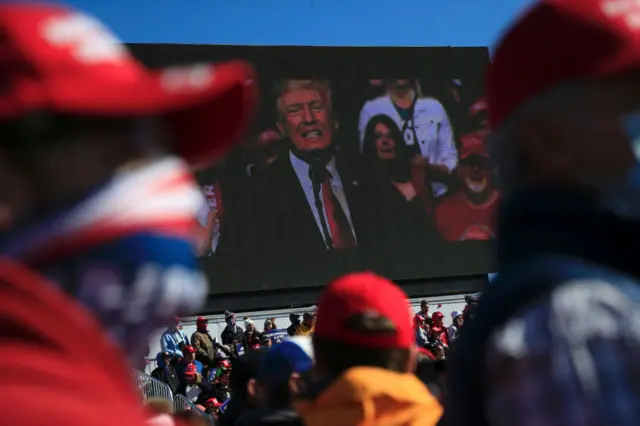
point(209, 373)
point(242, 382)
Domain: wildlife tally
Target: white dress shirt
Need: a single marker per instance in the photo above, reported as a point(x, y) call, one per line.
point(301, 168)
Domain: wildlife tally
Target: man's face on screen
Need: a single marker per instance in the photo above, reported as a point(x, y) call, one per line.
point(305, 119)
point(475, 175)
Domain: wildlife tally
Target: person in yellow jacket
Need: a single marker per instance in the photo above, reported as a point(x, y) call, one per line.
point(307, 326)
point(365, 355)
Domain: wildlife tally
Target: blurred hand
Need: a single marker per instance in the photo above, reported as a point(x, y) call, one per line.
point(420, 161)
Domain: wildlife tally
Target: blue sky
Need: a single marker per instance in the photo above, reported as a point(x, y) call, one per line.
point(308, 22)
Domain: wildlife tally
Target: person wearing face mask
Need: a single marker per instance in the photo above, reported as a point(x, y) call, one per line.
point(233, 335)
point(554, 339)
point(96, 186)
point(204, 343)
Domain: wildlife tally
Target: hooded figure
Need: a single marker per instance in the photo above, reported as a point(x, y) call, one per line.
point(165, 372)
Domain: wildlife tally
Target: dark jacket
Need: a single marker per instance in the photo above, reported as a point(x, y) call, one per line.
point(167, 375)
point(237, 334)
point(287, 236)
point(549, 238)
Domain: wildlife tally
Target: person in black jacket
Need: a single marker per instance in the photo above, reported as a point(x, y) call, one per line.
point(165, 372)
point(295, 323)
point(233, 334)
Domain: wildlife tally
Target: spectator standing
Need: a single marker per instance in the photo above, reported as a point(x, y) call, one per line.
point(205, 345)
point(555, 339)
point(233, 334)
point(174, 339)
point(93, 155)
point(454, 328)
point(424, 312)
point(307, 326)
point(364, 340)
point(250, 331)
point(165, 372)
point(295, 323)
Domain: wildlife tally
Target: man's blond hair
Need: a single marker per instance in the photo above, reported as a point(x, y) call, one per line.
point(291, 85)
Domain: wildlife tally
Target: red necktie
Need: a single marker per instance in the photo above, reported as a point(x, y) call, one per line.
point(338, 224)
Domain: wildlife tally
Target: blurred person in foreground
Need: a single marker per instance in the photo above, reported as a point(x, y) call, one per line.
point(279, 380)
point(365, 355)
point(96, 153)
point(555, 337)
point(243, 409)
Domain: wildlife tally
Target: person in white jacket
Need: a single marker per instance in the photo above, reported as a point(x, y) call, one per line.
point(423, 121)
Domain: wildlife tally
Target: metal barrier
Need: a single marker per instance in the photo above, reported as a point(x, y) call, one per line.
point(182, 404)
point(148, 387)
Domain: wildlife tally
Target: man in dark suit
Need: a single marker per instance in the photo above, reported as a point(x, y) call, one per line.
point(310, 209)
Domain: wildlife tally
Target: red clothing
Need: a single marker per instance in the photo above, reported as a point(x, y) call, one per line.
point(457, 219)
point(58, 367)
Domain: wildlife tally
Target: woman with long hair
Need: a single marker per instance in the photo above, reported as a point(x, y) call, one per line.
point(400, 193)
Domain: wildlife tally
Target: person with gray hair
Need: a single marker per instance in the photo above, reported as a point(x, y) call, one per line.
point(555, 340)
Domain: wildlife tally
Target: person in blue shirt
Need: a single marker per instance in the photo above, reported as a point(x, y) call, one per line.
point(174, 339)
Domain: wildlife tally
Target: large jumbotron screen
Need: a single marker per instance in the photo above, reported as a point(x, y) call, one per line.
point(359, 159)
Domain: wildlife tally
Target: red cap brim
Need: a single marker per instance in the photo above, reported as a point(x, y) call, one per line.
point(206, 106)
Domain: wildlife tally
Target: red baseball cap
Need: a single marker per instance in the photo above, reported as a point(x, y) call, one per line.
point(369, 295)
point(189, 349)
point(62, 60)
point(191, 370)
point(558, 41)
point(472, 144)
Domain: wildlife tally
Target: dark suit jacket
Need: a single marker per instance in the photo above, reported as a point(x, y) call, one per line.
point(290, 247)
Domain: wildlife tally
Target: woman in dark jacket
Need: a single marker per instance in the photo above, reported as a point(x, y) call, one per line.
point(402, 200)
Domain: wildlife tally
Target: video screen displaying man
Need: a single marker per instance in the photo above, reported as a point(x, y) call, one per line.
point(470, 213)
